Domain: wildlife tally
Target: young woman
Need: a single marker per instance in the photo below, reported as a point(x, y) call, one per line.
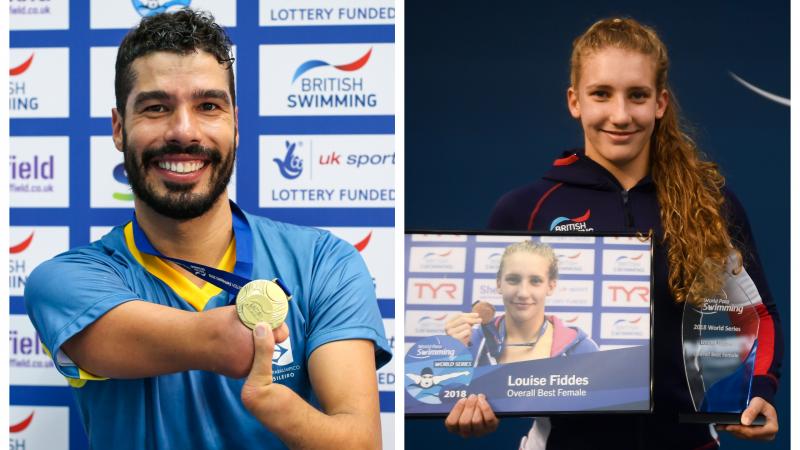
point(640, 171)
point(527, 274)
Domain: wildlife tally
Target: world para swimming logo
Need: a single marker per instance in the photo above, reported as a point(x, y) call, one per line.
point(291, 166)
point(147, 8)
point(575, 224)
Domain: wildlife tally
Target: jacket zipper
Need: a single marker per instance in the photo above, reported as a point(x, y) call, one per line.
point(626, 208)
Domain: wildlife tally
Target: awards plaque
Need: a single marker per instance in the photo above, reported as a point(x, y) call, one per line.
point(538, 323)
point(720, 330)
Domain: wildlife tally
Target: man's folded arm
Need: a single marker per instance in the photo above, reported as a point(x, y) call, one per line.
point(141, 339)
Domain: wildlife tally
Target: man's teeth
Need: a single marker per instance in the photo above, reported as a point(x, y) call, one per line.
point(181, 167)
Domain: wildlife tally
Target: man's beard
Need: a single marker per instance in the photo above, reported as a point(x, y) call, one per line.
point(179, 202)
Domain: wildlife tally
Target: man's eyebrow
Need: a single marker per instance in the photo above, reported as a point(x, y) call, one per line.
point(149, 95)
point(218, 94)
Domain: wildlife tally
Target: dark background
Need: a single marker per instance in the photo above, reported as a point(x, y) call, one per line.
point(485, 112)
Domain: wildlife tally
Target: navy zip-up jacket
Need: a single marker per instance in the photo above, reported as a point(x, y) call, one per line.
point(577, 194)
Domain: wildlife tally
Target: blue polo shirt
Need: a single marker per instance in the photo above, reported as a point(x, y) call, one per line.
point(333, 299)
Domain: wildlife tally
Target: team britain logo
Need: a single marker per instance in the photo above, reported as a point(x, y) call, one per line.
point(577, 224)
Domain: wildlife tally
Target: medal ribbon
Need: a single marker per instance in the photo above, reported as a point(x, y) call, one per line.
point(230, 282)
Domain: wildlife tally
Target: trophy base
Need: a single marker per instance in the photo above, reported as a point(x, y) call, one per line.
point(719, 418)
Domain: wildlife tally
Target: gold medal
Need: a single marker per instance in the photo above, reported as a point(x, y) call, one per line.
point(262, 301)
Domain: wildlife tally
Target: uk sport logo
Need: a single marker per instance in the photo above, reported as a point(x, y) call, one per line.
point(291, 166)
point(575, 224)
point(315, 63)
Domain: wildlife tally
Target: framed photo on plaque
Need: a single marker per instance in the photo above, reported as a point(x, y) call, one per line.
point(538, 323)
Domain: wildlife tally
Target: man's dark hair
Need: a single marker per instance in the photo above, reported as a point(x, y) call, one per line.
point(181, 32)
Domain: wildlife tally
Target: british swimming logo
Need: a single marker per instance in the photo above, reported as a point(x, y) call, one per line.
point(487, 259)
point(20, 69)
point(21, 426)
point(38, 427)
point(291, 166)
point(315, 63)
point(19, 248)
point(147, 8)
point(625, 326)
point(121, 177)
point(29, 247)
point(33, 91)
point(18, 265)
point(626, 262)
point(425, 323)
point(575, 224)
point(574, 261)
point(362, 244)
point(18, 96)
point(326, 79)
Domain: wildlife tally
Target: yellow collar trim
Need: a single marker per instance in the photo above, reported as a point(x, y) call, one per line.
point(196, 296)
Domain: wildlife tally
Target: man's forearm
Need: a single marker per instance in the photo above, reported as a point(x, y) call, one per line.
point(140, 339)
point(301, 426)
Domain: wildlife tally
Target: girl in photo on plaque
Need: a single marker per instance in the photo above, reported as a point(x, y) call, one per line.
point(527, 275)
point(640, 171)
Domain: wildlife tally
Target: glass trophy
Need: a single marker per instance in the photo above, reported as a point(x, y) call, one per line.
point(720, 341)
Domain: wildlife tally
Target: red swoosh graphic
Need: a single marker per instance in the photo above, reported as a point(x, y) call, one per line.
point(19, 248)
point(574, 319)
point(22, 425)
point(22, 67)
point(638, 257)
point(357, 64)
point(584, 217)
point(635, 321)
point(447, 253)
point(363, 243)
point(574, 256)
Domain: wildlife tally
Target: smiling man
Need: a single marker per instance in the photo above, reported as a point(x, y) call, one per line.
point(155, 354)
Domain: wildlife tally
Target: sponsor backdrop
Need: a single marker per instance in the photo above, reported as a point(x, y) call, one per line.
point(486, 112)
point(315, 83)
